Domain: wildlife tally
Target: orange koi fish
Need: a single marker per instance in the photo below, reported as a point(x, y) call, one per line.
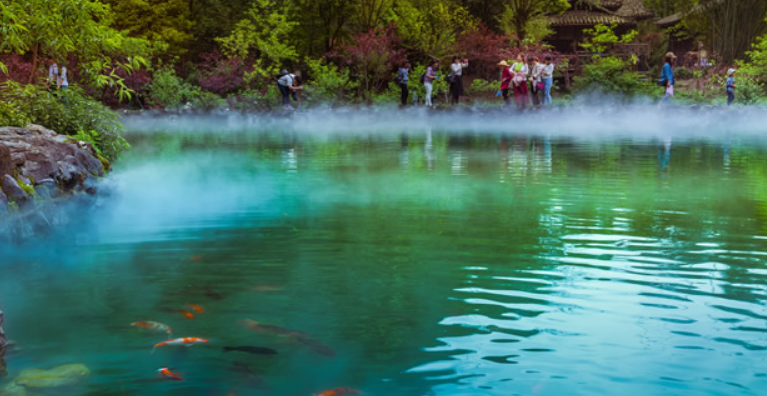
point(195, 258)
point(196, 308)
point(339, 392)
point(186, 341)
point(186, 313)
point(166, 373)
point(155, 326)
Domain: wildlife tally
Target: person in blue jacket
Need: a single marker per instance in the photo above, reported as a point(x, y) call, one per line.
point(667, 77)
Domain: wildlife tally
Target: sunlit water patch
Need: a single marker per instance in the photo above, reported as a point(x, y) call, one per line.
point(407, 260)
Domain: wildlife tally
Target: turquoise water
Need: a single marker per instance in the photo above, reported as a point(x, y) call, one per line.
point(432, 261)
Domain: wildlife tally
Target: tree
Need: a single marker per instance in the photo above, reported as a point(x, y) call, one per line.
point(373, 55)
point(79, 27)
point(263, 35)
point(323, 23)
point(165, 21)
point(431, 26)
point(523, 13)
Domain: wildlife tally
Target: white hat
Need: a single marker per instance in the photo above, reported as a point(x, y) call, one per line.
point(730, 72)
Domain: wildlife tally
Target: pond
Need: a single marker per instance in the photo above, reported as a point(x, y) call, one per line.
point(408, 258)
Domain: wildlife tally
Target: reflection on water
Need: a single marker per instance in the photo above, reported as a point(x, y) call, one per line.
point(429, 263)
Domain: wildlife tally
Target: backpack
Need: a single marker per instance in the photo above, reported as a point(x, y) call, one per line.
point(282, 74)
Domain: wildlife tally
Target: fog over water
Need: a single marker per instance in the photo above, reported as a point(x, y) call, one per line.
point(573, 251)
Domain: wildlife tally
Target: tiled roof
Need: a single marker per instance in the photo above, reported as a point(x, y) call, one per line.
point(633, 9)
point(587, 18)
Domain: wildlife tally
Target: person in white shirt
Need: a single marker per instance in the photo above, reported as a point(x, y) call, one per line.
point(547, 75)
point(53, 73)
point(455, 78)
point(288, 84)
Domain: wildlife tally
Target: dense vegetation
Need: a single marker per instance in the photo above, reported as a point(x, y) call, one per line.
point(210, 54)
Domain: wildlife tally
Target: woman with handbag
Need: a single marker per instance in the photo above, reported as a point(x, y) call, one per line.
point(455, 79)
point(667, 77)
point(536, 82)
point(520, 71)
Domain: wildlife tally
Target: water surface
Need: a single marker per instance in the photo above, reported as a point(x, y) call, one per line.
point(433, 260)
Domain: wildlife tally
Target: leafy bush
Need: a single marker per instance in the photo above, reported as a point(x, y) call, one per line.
point(610, 75)
point(683, 73)
point(66, 112)
point(328, 84)
point(268, 98)
point(168, 91)
point(206, 101)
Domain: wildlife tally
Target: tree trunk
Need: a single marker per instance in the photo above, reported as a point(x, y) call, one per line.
point(34, 64)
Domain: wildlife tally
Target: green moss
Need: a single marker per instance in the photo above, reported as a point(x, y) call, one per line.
point(26, 187)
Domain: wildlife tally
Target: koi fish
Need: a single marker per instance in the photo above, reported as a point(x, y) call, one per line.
point(273, 329)
point(156, 326)
point(166, 373)
point(339, 392)
point(251, 378)
point(251, 349)
point(212, 294)
point(317, 347)
point(186, 341)
point(196, 308)
point(186, 313)
point(195, 258)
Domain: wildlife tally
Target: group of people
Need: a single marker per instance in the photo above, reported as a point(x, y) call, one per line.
point(57, 76)
point(529, 81)
point(667, 80)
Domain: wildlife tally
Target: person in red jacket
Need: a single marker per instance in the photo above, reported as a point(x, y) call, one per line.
point(506, 77)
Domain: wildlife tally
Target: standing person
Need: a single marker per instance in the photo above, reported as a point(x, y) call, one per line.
point(456, 79)
point(286, 82)
point(536, 83)
point(506, 77)
point(547, 75)
point(520, 71)
point(667, 77)
point(428, 80)
point(62, 83)
point(402, 80)
point(730, 86)
point(53, 73)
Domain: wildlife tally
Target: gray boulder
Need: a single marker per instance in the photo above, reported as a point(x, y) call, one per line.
point(13, 191)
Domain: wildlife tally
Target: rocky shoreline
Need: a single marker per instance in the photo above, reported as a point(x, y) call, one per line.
point(39, 170)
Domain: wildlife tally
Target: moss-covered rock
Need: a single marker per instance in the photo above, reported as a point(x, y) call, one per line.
point(67, 375)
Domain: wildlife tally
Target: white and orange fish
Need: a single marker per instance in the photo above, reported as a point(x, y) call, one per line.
point(166, 373)
point(154, 326)
point(339, 392)
point(186, 341)
point(196, 308)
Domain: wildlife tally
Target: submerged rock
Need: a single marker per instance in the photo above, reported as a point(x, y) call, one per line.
point(66, 375)
point(12, 189)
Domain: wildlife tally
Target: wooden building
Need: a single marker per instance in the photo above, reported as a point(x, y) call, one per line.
point(584, 14)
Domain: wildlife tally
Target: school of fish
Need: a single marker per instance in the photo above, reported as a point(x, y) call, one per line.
point(290, 335)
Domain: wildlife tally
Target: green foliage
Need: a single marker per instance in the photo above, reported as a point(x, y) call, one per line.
point(89, 136)
point(431, 27)
point(610, 75)
point(603, 38)
point(264, 34)
point(66, 112)
point(388, 97)
point(166, 21)
point(683, 73)
point(526, 18)
point(329, 85)
point(81, 27)
point(168, 91)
